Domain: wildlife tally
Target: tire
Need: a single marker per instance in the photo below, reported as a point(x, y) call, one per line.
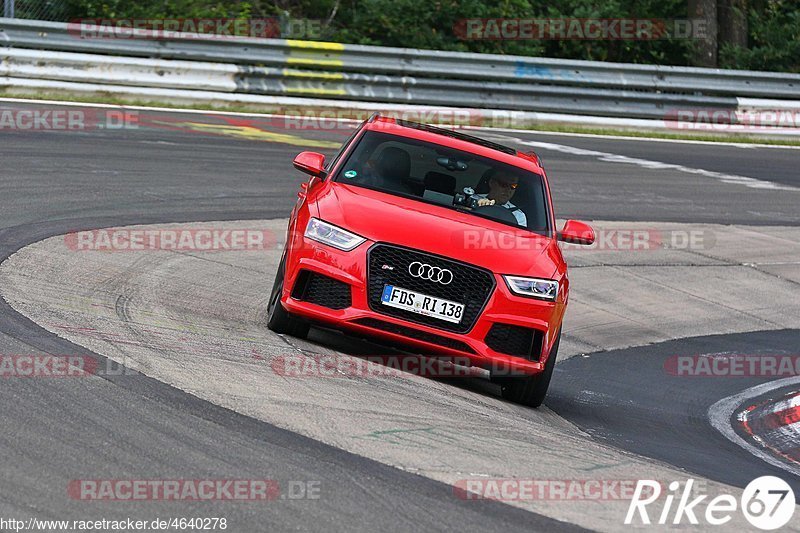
point(531, 390)
point(278, 319)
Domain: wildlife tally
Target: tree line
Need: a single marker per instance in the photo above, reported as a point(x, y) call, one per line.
point(739, 34)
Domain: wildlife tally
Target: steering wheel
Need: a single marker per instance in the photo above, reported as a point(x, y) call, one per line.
point(497, 212)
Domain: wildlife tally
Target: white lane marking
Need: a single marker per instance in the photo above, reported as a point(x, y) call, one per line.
point(719, 415)
point(478, 128)
point(630, 138)
point(658, 165)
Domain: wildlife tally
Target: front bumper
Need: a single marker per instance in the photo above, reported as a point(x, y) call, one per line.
point(504, 312)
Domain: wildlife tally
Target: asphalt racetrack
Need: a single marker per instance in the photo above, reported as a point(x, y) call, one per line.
point(202, 399)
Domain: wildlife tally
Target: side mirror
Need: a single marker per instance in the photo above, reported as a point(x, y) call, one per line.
point(311, 163)
point(576, 232)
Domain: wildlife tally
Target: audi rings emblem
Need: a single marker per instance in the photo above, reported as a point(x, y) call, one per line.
point(431, 273)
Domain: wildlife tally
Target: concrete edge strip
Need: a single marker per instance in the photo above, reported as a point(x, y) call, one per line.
point(35, 335)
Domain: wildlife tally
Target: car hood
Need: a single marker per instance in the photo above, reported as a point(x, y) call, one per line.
point(393, 219)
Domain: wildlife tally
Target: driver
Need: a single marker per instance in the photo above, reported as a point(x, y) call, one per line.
point(501, 190)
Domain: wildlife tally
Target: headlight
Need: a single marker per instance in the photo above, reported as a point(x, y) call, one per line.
point(331, 235)
point(545, 289)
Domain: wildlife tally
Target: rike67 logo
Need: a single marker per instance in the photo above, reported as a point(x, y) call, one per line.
point(767, 503)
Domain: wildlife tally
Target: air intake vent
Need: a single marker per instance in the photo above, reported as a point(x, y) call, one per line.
point(516, 341)
point(322, 290)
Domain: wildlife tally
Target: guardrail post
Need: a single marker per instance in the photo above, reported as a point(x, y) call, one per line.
point(8, 9)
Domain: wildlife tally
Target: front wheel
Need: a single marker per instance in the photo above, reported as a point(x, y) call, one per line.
point(278, 319)
point(531, 390)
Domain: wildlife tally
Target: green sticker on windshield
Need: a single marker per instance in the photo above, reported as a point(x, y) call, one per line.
point(350, 174)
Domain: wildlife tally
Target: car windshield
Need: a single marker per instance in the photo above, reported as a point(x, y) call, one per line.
point(445, 176)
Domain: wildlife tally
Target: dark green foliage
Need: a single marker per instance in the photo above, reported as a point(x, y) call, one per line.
point(774, 36)
point(774, 41)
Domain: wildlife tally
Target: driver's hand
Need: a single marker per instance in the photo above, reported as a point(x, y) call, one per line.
point(485, 201)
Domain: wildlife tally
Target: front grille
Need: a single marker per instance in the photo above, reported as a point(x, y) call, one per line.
point(319, 289)
point(388, 265)
point(412, 333)
point(515, 340)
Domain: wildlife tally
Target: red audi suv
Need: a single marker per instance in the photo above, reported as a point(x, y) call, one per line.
point(433, 240)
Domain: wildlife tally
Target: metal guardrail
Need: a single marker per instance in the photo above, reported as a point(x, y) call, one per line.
point(380, 74)
point(197, 75)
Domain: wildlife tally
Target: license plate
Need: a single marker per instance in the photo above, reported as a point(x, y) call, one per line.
point(422, 304)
